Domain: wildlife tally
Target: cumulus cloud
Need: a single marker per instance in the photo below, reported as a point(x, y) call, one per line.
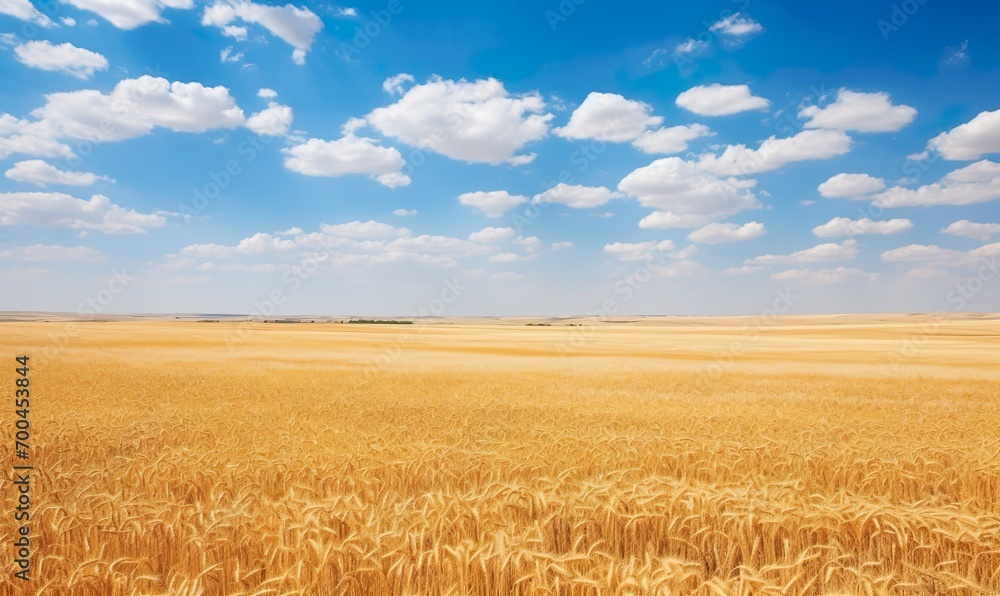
point(609, 117)
point(404, 212)
point(975, 183)
point(133, 108)
point(365, 229)
point(129, 14)
point(716, 233)
point(65, 57)
point(477, 122)
point(844, 226)
point(823, 276)
point(846, 250)
point(295, 26)
point(273, 121)
point(737, 26)
point(639, 251)
point(348, 155)
point(670, 140)
point(58, 210)
point(40, 173)
point(49, 252)
point(774, 153)
point(357, 244)
point(850, 185)
point(928, 253)
point(685, 195)
point(684, 48)
point(24, 10)
point(494, 203)
point(577, 196)
point(394, 84)
point(971, 140)
point(266, 93)
point(491, 235)
point(863, 112)
point(743, 270)
point(968, 229)
point(720, 100)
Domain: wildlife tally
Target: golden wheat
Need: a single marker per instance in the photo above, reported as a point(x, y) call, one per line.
point(485, 460)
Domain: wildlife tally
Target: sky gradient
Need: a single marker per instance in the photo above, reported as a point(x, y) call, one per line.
point(447, 158)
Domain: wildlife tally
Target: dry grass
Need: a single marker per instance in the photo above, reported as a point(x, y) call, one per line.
point(478, 461)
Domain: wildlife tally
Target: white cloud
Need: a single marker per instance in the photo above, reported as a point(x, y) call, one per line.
point(576, 196)
point(68, 21)
point(365, 229)
point(493, 235)
point(774, 153)
point(926, 253)
point(347, 11)
point(24, 10)
point(266, 93)
point(57, 210)
point(968, 229)
point(227, 55)
point(237, 33)
point(847, 250)
point(685, 194)
point(295, 26)
point(715, 233)
point(850, 185)
point(404, 212)
point(348, 155)
point(863, 112)
point(273, 121)
point(823, 276)
point(639, 251)
point(48, 252)
point(736, 25)
point(609, 117)
point(971, 140)
point(561, 245)
point(508, 257)
point(133, 108)
point(493, 203)
point(975, 183)
point(844, 226)
point(394, 84)
point(476, 122)
point(65, 57)
point(670, 140)
point(744, 270)
point(686, 47)
point(720, 100)
point(129, 14)
point(40, 173)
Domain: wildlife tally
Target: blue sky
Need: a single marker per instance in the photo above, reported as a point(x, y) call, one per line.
point(395, 157)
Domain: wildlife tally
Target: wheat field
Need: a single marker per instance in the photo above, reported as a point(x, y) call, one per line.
point(810, 455)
